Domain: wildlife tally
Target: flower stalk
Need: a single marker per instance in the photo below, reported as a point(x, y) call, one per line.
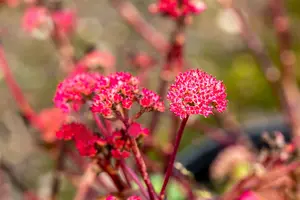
point(172, 157)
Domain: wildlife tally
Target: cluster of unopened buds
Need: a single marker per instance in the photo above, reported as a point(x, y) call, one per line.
point(176, 9)
point(111, 97)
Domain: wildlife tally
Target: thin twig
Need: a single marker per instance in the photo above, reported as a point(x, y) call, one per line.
point(60, 163)
point(17, 93)
point(86, 181)
point(8, 169)
point(133, 17)
point(143, 169)
point(288, 80)
point(173, 63)
point(135, 178)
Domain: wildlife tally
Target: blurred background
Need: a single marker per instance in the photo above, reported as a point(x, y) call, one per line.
point(213, 43)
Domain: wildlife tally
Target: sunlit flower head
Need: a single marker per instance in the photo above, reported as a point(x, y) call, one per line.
point(196, 92)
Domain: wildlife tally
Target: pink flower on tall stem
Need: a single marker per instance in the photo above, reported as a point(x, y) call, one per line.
point(193, 92)
point(175, 9)
point(196, 92)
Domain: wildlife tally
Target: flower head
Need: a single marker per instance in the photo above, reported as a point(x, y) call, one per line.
point(173, 9)
point(65, 20)
point(151, 100)
point(38, 22)
point(73, 91)
point(123, 89)
point(196, 92)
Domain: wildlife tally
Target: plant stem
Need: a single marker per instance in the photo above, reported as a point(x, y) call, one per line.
point(172, 158)
point(86, 181)
point(135, 178)
point(100, 125)
point(18, 94)
point(60, 162)
point(142, 167)
point(113, 175)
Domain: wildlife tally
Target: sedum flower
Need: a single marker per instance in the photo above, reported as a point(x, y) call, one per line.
point(196, 92)
point(174, 9)
point(74, 91)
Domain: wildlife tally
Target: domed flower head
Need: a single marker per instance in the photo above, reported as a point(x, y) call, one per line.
point(73, 91)
point(173, 9)
point(123, 90)
point(196, 92)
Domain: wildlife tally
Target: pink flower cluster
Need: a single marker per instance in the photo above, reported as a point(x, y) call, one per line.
point(175, 9)
point(196, 92)
point(76, 90)
point(41, 23)
point(87, 142)
point(106, 93)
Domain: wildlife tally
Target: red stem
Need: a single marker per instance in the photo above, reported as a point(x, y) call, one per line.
point(17, 93)
point(142, 167)
point(135, 178)
point(100, 125)
point(132, 16)
point(86, 181)
point(172, 158)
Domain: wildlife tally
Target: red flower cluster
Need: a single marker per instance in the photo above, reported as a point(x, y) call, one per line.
point(174, 9)
point(123, 90)
point(85, 140)
point(120, 143)
point(196, 92)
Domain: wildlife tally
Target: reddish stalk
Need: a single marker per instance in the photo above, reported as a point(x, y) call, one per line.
point(135, 178)
point(132, 16)
point(172, 158)
point(173, 63)
point(100, 125)
point(8, 169)
point(122, 164)
point(60, 161)
point(143, 169)
point(17, 93)
point(289, 87)
point(113, 175)
point(86, 181)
